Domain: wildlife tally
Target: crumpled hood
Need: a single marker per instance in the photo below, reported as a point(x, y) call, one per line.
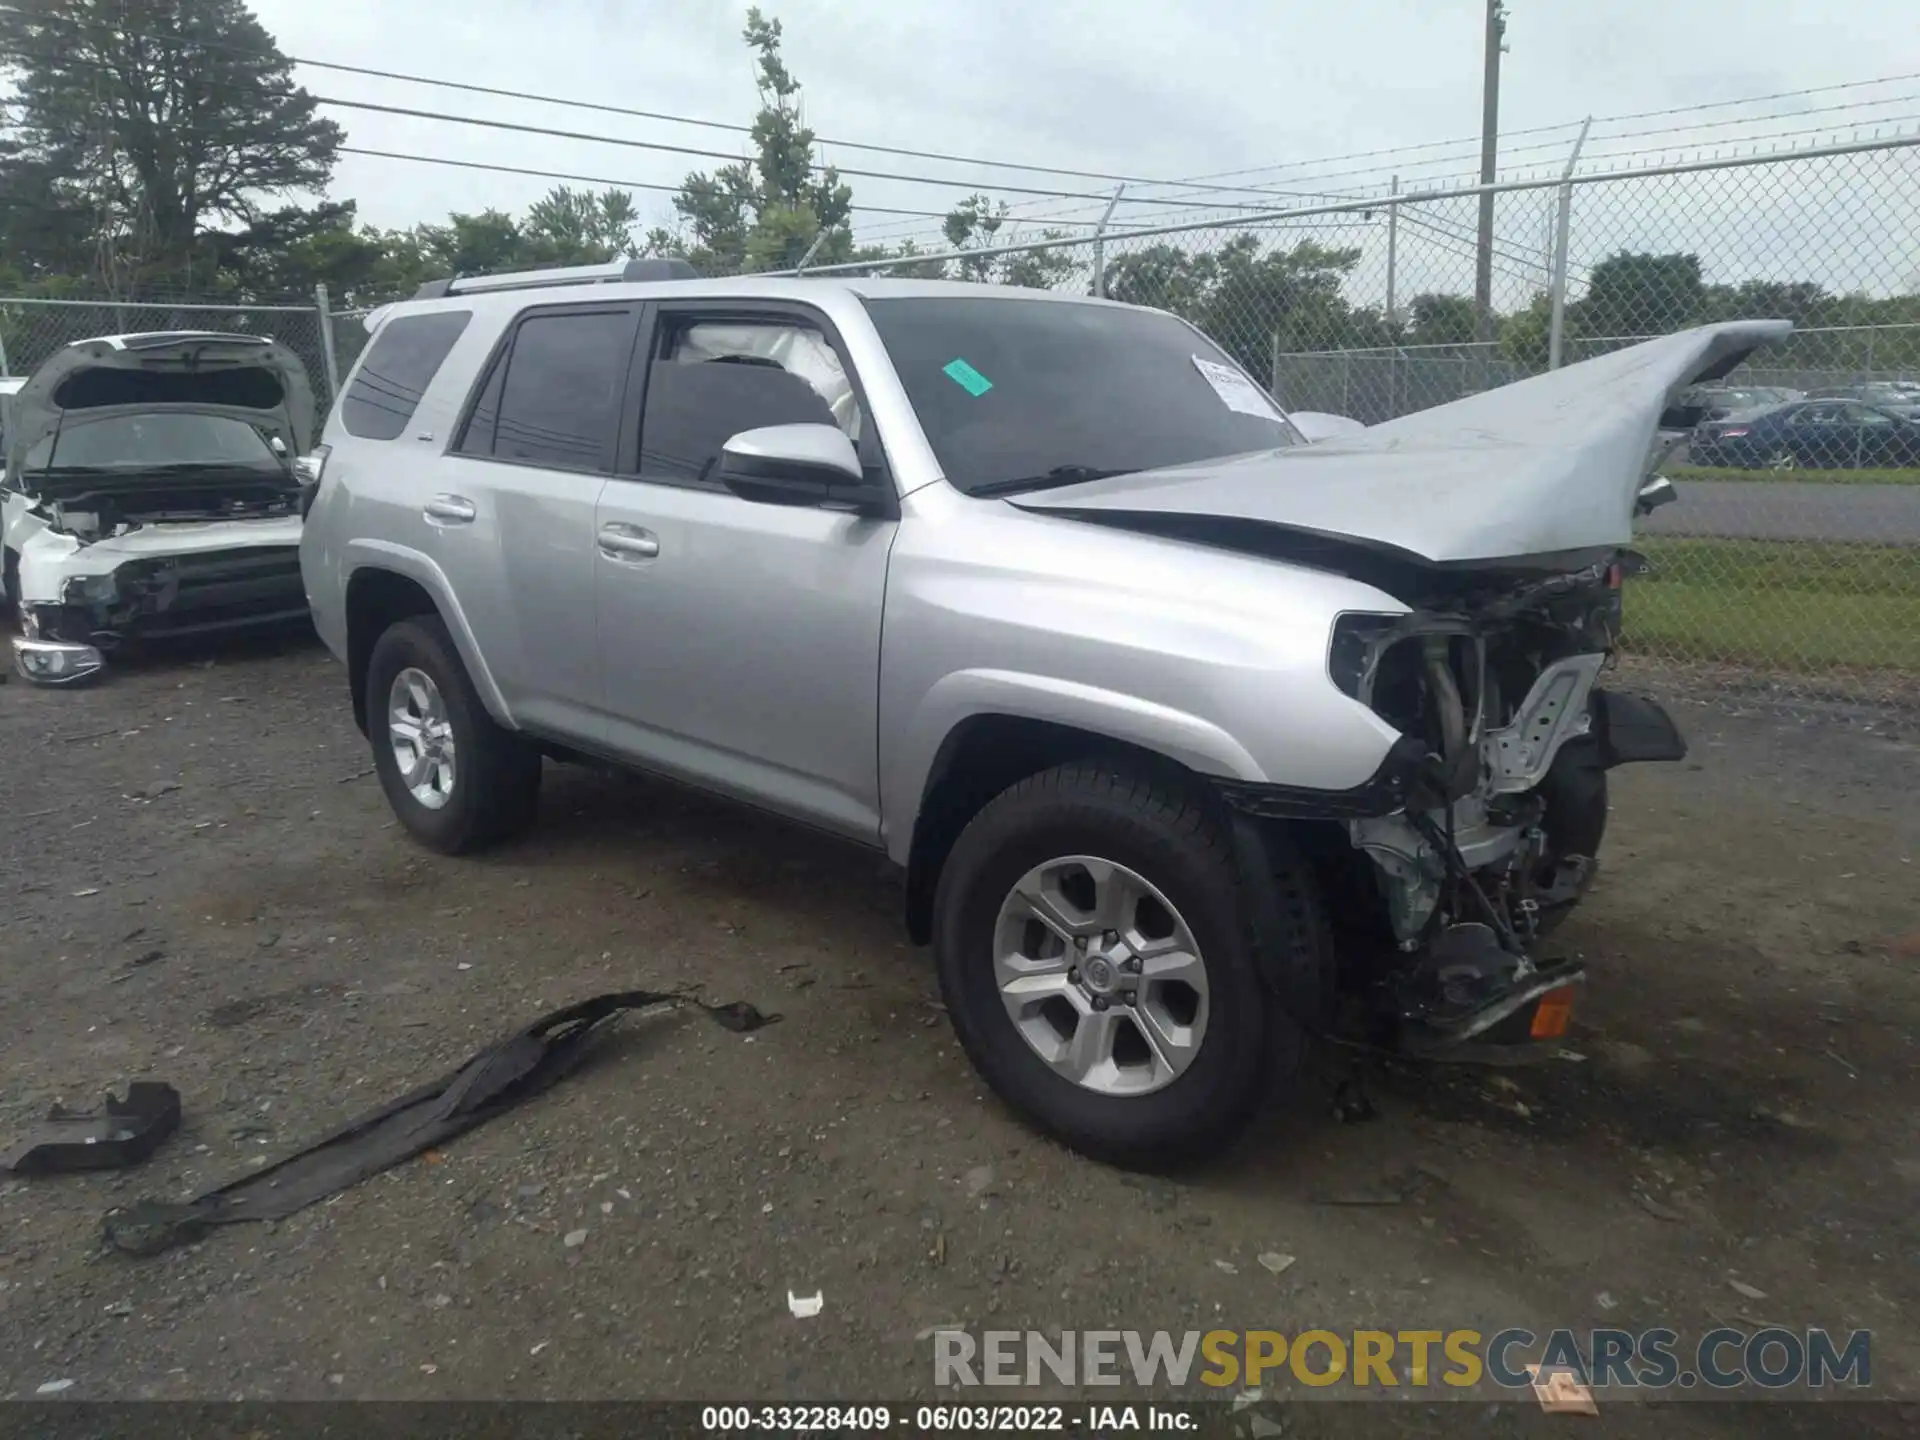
point(245, 376)
point(1543, 466)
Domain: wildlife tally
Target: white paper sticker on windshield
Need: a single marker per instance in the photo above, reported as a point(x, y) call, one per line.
point(1236, 392)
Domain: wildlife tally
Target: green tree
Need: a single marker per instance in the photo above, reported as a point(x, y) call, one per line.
point(578, 227)
point(1526, 335)
point(1632, 294)
point(765, 213)
point(1249, 301)
point(157, 120)
point(1441, 320)
point(975, 224)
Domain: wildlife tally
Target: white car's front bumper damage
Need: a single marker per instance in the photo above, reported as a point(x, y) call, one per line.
point(80, 601)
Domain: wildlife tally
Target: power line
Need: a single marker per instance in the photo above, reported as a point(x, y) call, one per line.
point(607, 109)
point(1399, 150)
point(587, 179)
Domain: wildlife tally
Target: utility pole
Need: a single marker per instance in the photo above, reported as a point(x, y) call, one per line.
point(1489, 157)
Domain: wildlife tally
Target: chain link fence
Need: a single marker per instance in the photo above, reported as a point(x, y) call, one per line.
point(1790, 570)
point(31, 329)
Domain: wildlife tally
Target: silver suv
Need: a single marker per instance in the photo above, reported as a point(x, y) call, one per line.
point(1193, 740)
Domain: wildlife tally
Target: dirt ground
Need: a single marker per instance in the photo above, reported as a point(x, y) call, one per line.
point(204, 885)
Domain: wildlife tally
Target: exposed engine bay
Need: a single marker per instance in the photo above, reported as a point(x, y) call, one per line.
point(1492, 682)
point(91, 506)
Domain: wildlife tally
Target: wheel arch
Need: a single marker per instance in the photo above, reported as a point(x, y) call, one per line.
point(389, 586)
point(981, 756)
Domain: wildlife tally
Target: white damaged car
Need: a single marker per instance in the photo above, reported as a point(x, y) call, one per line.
point(150, 492)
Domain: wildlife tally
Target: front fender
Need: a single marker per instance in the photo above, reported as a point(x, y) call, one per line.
point(964, 695)
point(369, 554)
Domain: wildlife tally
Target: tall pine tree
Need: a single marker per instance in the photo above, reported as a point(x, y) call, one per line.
point(142, 125)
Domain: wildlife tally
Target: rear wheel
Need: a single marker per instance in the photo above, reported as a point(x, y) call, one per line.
point(1091, 948)
point(454, 778)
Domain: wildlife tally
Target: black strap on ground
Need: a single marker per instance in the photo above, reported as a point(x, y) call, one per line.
point(522, 1065)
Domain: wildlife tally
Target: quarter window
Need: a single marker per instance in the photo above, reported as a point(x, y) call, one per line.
point(404, 358)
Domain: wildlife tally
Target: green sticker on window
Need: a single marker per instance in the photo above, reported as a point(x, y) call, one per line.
point(967, 378)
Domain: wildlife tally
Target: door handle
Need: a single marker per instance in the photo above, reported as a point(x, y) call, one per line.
point(450, 510)
point(628, 542)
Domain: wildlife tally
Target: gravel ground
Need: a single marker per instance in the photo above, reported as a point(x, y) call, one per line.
point(205, 886)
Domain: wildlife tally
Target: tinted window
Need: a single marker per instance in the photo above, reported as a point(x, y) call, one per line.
point(1011, 389)
point(560, 398)
point(701, 394)
point(404, 358)
point(477, 438)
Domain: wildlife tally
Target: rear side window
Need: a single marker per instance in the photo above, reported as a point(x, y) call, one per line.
point(554, 397)
point(404, 358)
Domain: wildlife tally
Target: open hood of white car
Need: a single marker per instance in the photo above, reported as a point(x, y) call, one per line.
point(1546, 466)
point(247, 376)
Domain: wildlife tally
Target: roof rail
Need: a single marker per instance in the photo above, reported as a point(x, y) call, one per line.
point(613, 272)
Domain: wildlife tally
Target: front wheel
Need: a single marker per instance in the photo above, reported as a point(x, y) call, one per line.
point(1092, 953)
point(1575, 792)
point(454, 778)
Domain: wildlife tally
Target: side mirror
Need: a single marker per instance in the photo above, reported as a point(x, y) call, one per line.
point(1656, 492)
point(796, 465)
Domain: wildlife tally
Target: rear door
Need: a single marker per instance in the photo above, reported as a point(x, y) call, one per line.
point(511, 506)
point(740, 642)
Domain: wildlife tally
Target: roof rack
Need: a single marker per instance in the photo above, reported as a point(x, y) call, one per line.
point(612, 273)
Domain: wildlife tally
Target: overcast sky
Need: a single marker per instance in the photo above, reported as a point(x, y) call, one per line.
point(1133, 89)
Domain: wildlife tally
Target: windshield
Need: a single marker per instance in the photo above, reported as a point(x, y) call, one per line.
point(147, 442)
point(1022, 393)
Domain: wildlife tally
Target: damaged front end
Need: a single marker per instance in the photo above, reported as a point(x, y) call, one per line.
point(1480, 831)
point(1494, 678)
point(70, 621)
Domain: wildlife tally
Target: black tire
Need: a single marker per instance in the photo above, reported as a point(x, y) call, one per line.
point(1576, 820)
point(1168, 834)
point(10, 582)
point(496, 783)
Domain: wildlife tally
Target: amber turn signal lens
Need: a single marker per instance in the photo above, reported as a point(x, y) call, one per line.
point(1551, 1015)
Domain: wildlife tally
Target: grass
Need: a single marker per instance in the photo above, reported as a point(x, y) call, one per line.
point(1798, 477)
point(1799, 606)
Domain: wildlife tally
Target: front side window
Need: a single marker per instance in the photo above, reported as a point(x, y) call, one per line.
point(1020, 393)
point(556, 399)
point(405, 356)
point(713, 377)
point(159, 441)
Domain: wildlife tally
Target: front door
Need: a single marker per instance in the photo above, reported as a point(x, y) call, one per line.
point(739, 641)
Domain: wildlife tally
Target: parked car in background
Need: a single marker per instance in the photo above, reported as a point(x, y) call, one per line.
point(1899, 396)
point(150, 491)
point(1810, 435)
point(1191, 737)
point(1698, 403)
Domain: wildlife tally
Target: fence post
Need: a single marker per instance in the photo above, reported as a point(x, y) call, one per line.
point(1100, 245)
point(1562, 229)
point(812, 250)
point(1393, 256)
point(327, 357)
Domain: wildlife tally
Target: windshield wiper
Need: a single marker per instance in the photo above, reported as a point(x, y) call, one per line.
point(1057, 476)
